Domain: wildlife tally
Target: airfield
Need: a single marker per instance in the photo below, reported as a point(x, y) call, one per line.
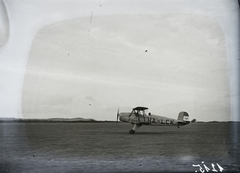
point(107, 147)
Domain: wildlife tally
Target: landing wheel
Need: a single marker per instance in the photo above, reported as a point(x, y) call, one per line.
point(131, 131)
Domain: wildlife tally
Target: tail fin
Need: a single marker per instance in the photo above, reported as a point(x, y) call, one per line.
point(183, 119)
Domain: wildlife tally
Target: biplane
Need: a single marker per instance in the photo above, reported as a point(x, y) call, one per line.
point(139, 117)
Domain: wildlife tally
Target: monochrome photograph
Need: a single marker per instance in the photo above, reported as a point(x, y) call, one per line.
point(119, 86)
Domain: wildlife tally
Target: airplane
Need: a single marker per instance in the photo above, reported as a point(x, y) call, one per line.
point(139, 117)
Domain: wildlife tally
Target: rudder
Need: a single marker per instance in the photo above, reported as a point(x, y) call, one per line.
point(183, 118)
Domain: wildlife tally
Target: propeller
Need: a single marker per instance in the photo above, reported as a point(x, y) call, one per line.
point(117, 115)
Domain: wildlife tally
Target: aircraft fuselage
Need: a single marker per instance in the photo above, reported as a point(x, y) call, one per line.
point(154, 120)
point(138, 117)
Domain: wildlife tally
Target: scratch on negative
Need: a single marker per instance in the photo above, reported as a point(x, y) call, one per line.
point(91, 17)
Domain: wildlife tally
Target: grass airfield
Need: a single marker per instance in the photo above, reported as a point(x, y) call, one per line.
point(107, 147)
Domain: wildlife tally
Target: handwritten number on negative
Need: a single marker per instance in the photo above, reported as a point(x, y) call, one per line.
point(200, 168)
point(208, 169)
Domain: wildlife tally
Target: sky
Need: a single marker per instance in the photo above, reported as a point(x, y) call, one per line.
point(86, 59)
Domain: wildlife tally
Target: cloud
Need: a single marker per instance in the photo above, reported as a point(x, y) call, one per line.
point(89, 98)
point(107, 64)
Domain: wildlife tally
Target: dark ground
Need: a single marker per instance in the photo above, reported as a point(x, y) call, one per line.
point(105, 147)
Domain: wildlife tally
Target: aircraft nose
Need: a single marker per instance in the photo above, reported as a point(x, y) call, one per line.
point(123, 118)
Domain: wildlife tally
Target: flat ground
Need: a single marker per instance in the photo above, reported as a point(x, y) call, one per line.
point(107, 147)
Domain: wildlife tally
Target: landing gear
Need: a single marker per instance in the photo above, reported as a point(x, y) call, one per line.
point(135, 127)
point(131, 131)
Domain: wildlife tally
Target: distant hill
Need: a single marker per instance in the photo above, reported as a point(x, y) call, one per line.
point(70, 119)
point(78, 119)
point(195, 121)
